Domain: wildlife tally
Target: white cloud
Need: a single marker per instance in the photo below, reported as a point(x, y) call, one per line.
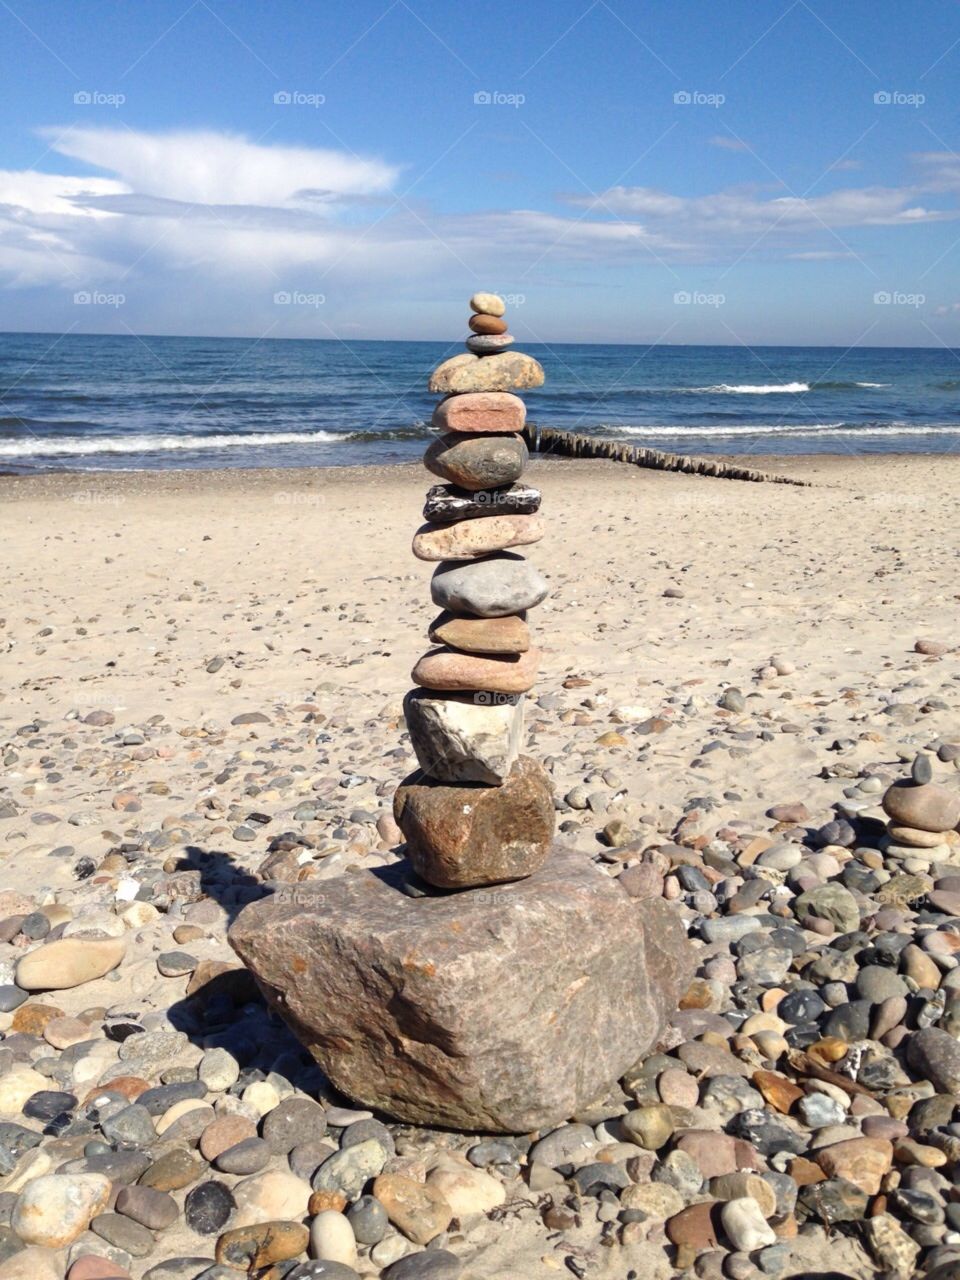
point(735, 213)
point(217, 168)
point(206, 226)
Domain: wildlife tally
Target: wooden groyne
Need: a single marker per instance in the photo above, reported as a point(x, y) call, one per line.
point(571, 444)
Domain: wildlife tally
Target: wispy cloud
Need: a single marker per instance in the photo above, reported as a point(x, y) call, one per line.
point(171, 215)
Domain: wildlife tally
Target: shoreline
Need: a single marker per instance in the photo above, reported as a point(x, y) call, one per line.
point(802, 466)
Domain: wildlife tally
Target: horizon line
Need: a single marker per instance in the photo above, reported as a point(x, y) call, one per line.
point(731, 346)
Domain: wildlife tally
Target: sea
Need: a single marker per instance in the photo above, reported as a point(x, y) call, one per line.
point(87, 402)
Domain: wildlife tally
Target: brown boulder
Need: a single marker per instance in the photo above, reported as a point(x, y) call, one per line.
point(464, 836)
point(495, 411)
point(481, 635)
point(506, 1011)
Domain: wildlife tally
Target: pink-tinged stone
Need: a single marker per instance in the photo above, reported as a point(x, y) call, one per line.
point(862, 1161)
point(713, 1153)
point(484, 411)
point(508, 371)
point(468, 539)
point(450, 670)
point(925, 805)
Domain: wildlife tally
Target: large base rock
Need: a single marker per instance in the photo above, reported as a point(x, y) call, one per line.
point(505, 1009)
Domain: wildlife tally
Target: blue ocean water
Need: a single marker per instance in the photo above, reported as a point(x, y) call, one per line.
point(86, 402)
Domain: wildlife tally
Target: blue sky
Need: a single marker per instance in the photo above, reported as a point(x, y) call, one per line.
point(665, 172)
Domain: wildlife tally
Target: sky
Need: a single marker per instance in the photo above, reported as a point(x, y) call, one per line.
point(676, 171)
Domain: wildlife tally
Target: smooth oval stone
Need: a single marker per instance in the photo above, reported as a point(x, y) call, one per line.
point(489, 344)
point(54, 1209)
point(332, 1238)
point(69, 962)
point(447, 502)
point(470, 539)
point(369, 1221)
point(249, 1156)
point(481, 411)
point(925, 805)
point(477, 462)
point(11, 997)
point(491, 588)
point(294, 1121)
point(207, 1208)
point(506, 371)
point(481, 323)
point(124, 1233)
point(481, 635)
point(487, 304)
point(446, 669)
point(459, 836)
point(151, 1208)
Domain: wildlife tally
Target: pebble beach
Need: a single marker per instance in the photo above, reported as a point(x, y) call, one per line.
point(203, 696)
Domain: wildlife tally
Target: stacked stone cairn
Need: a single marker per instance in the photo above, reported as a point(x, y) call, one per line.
point(477, 812)
point(923, 817)
point(473, 984)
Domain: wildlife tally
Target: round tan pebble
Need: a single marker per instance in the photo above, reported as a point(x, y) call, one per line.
point(487, 324)
point(223, 1133)
point(62, 1032)
point(770, 1044)
point(830, 1049)
point(907, 1151)
point(487, 304)
point(32, 1018)
point(188, 933)
point(322, 1201)
point(678, 1089)
point(262, 1096)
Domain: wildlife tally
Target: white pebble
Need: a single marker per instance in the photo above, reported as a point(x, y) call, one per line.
point(745, 1225)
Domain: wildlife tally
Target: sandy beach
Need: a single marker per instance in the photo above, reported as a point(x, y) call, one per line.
point(207, 660)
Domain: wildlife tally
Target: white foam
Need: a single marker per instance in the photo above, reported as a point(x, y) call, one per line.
point(90, 446)
point(809, 429)
point(757, 389)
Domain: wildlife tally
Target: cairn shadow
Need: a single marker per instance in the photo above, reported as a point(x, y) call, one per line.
point(225, 1008)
